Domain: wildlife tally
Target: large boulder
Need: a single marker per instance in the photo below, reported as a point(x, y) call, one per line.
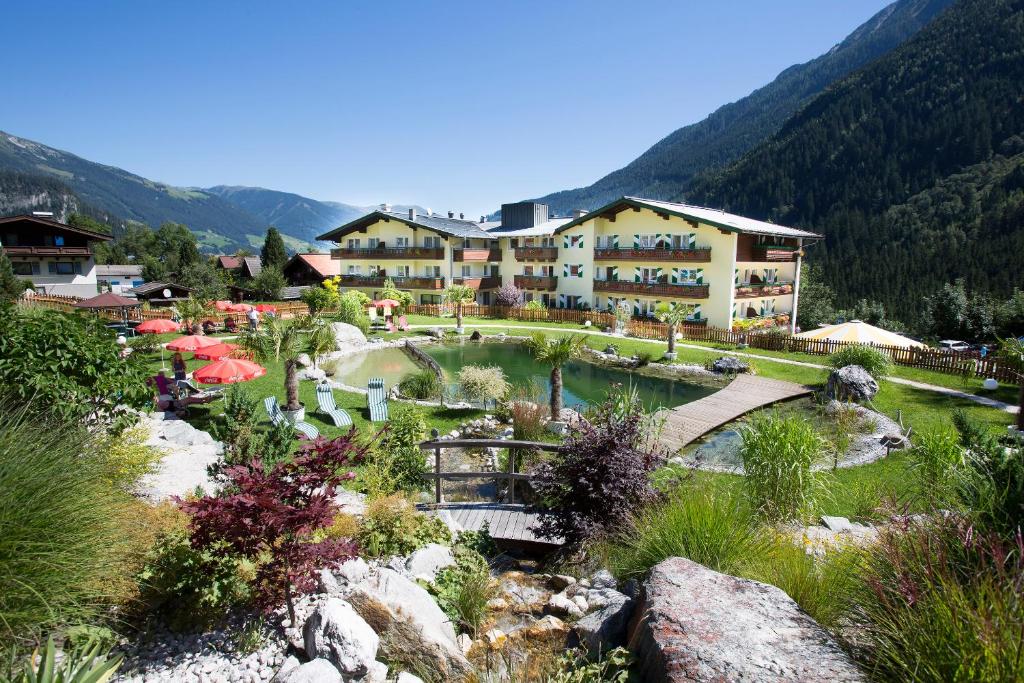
point(700, 625)
point(729, 365)
point(315, 671)
point(410, 623)
point(851, 383)
point(429, 560)
point(336, 633)
point(606, 627)
point(347, 336)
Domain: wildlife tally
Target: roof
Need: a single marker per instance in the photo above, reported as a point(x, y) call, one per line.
point(859, 332)
point(454, 227)
point(150, 287)
point(719, 219)
point(108, 300)
point(293, 293)
point(253, 264)
point(114, 269)
point(50, 223)
point(322, 264)
point(546, 228)
point(229, 262)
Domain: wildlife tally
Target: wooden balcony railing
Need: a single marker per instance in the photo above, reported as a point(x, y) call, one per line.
point(774, 253)
point(476, 255)
point(479, 282)
point(654, 254)
point(543, 282)
point(410, 282)
point(536, 253)
point(652, 289)
point(423, 253)
point(750, 291)
point(46, 251)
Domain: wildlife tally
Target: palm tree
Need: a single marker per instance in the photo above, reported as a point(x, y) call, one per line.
point(322, 338)
point(280, 341)
point(1011, 353)
point(459, 295)
point(556, 353)
point(673, 314)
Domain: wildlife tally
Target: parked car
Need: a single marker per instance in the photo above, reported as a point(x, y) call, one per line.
point(954, 346)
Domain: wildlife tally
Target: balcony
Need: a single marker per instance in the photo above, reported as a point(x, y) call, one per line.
point(476, 255)
point(652, 289)
point(423, 253)
point(410, 282)
point(479, 282)
point(536, 253)
point(46, 251)
point(542, 282)
point(654, 254)
point(757, 289)
point(774, 253)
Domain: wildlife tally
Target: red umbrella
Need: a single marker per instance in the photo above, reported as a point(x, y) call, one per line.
point(263, 308)
point(215, 352)
point(222, 305)
point(192, 342)
point(229, 371)
point(157, 326)
point(240, 308)
point(387, 302)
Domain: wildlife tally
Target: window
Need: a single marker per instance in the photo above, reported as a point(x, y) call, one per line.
point(65, 268)
point(647, 241)
point(649, 275)
point(575, 270)
point(58, 241)
point(402, 242)
point(547, 271)
point(25, 268)
point(353, 244)
point(467, 271)
point(547, 242)
point(527, 270)
point(354, 270)
point(373, 242)
point(402, 271)
point(576, 241)
point(433, 271)
point(432, 242)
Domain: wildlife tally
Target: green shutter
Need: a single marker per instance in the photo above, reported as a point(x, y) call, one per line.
point(657, 274)
point(636, 241)
point(657, 239)
point(667, 242)
point(736, 277)
point(615, 241)
point(565, 270)
point(580, 245)
point(696, 311)
point(565, 241)
point(691, 240)
point(636, 274)
point(580, 274)
point(614, 273)
point(675, 276)
point(700, 276)
point(636, 307)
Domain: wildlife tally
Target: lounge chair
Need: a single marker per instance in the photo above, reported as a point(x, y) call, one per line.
point(325, 398)
point(377, 400)
point(196, 395)
point(276, 417)
point(391, 326)
point(403, 323)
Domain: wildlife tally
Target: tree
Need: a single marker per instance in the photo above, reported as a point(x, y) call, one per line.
point(269, 283)
point(272, 515)
point(1011, 353)
point(816, 304)
point(673, 314)
point(556, 353)
point(203, 279)
point(273, 254)
point(188, 254)
point(11, 286)
point(191, 312)
point(318, 299)
point(282, 341)
point(599, 477)
point(458, 296)
point(390, 291)
point(509, 295)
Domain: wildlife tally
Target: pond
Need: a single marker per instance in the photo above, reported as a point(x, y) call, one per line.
point(583, 383)
point(391, 364)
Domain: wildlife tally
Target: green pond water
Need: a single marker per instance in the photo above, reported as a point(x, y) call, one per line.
point(391, 364)
point(583, 383)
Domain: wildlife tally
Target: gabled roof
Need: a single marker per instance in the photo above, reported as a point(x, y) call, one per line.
point(229, 262)
point(115, 269)
point(253, 264)
point(453, 227)
point(50, 223)
point(321, 264)
point(713, 217)
point(546, 228)
point(150, 287)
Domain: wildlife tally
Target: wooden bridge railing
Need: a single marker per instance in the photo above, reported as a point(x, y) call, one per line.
point(437, 445)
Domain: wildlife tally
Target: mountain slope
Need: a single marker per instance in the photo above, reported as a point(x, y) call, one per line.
point(666, 168)
point(911, 167)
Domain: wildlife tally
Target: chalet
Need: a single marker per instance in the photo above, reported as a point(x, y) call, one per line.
point(56, 258)
point(310, 269)
point(119, 278)
point(160, 293)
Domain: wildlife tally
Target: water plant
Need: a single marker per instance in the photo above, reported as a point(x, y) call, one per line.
point(423, 384)
point(877, 362)
point(779, 454)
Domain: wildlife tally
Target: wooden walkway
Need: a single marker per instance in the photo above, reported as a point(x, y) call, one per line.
point(686, 423)
point(506, 522)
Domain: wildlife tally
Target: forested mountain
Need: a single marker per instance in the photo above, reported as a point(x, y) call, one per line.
point(22, 193)
point(665, 169)
point(913, 167)
point(296, 215)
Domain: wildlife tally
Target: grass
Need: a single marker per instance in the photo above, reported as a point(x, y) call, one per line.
point(778, 454)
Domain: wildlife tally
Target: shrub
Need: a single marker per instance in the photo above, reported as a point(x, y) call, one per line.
point(778, 454)
point(509, 295)
point(65, 532)
point(993, 486)
point(318, 299)
point(463, 589)
point(392, 526)
point(938, 459)
point(352, 310)
point(479, 541)
point(240, 432)
point(575, 666)
point(144, 343)
point(875, 361)
point(423, 385)
point(482, 384)
point(599, 478)
point(644, 358)
point(129, 457)
point(90, 663)
point(400, 463)
point(536, 306)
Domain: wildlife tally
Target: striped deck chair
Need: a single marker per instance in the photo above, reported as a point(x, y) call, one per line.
point(377, 400)
point(325, 398)
point(276, 417)
point(403, 323)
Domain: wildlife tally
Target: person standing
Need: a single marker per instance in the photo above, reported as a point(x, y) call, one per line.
point(179, 367)
point(254, 319)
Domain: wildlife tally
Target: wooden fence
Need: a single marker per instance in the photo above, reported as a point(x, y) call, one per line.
point(285, 309)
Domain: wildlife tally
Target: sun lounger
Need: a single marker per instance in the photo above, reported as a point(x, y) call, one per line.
point(377, 400)
point(196, 395)
point(325, 398)
point(276, 417)
point(391, 326)
point(403, 323)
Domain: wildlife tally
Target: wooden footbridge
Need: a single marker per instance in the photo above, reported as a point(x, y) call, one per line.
point(687, 423)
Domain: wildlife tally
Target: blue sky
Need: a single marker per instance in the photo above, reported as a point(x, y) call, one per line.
point(452, 105)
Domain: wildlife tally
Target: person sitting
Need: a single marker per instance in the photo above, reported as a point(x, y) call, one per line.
point(209, 327)
point(230, 325)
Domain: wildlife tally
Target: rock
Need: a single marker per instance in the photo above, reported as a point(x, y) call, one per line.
point(560, 604)
point(561, 581)
point(314, 374)
point(352, 571)
point(521, 591)
point(729, 365)
point(611, 350)
point(699, 625)
point(851, 383)
point(327, 583)
point(476, 336)
point(836, 523)
point(429, 560)
point(408, 620)
point(315, 671)
point(378, 673)
point(304, 360)
point(600, 597)
point(606, 627)
point(406, 677)
point(347, 336)
point(603, 579)
point(465, 643)
point(548, 624)
point(582, 603)
point(436, 333)
point(335, 632)
point(494, 636)
point(497, 604)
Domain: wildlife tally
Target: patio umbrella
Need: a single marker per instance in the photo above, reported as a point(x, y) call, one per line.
point(859, 332)
point(229, 371)
point(110, 302)
point(222, 305)
point(192, 342)
point(240, 308)
point(391, 303)
point(215, 352)
point(263, 308)
point(157, 326)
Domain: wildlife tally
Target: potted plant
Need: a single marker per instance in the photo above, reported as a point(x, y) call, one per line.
point(673, 315)
point(459, 296)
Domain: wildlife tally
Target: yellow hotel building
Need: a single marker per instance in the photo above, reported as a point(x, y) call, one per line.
point(639, 251)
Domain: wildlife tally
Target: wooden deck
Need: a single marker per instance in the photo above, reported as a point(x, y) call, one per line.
point(506, 522)
point(686, 423)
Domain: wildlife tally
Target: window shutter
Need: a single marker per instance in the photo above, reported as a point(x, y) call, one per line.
point(657, 240)
point(696, 311)
point(636, 307)
point(736, 276)
point(667, 242)
point(657, 274)
point(580, 273)
point(561, 300)
point(35, 268)
point(565, 270)
point(700, 276)
point(613, 273)
point(691, 240)
point(675, 276)
point(636, 274)
point(565, 241)
point(636, 241)
point(615, 242)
